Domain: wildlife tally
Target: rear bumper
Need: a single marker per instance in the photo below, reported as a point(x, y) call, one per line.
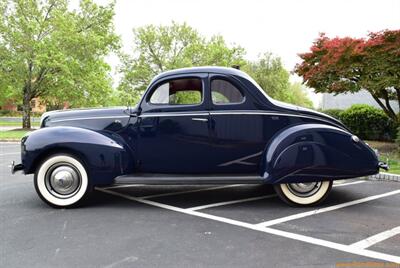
point(15, 168)
point(383, 165)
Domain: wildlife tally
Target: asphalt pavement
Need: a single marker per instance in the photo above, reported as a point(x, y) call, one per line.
point(197, 226)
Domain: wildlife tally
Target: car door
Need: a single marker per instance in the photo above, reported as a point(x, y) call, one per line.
point(174, 126)
point(237, 129)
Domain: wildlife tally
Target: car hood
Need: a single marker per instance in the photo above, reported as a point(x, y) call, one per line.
point(97, 118)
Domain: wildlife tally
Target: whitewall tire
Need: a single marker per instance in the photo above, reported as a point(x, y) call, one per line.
point(61, 181)
point(303, 194)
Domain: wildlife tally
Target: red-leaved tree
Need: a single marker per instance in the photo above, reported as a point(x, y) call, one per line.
point(341, 65)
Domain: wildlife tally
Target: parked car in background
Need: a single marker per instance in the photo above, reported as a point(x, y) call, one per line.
point(205, 125)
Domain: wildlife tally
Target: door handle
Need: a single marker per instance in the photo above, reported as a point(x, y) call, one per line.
point(200, 119)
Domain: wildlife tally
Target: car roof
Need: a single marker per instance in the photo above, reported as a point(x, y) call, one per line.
point(203, 69)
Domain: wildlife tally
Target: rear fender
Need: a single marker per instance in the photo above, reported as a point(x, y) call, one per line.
point(105, 155)
point(316, 152)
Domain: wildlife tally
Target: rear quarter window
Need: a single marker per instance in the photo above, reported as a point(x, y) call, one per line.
point(224, 92)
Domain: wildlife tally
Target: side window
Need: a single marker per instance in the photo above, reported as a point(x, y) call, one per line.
point(187, 91)
point(223, 92)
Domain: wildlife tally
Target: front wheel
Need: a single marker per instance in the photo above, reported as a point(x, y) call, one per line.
point(61, 181)
point(303, 194)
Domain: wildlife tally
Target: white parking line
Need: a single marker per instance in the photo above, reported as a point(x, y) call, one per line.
point(191, 191)
point(232, 202)
point(326, 209)
point(372, 240)
point(303, 238)
point(348, 183)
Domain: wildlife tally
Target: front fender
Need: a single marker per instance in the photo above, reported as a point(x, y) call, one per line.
point(312, 152)
point(104, 155)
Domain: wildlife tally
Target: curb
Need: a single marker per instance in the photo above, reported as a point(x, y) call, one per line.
point(383, 176)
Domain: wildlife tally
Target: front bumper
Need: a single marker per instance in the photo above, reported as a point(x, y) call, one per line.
point(15, 168)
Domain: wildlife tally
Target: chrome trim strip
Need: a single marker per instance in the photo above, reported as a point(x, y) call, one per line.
point(241, 160)
point(200, 119)
point(173, 114)
point(264, 113)
point(238, 112)
point(231, 112)
point(87, 118)
point(173, 179)
point(187, 114)
point(200, 113)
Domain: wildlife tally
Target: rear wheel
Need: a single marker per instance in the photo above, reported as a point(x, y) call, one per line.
point(61, 181)
point(303, 194)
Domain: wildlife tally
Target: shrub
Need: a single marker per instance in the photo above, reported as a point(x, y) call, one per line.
point(336, 113)
point(369, 123)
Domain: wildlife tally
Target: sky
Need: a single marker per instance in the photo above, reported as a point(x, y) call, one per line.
point(283, 27)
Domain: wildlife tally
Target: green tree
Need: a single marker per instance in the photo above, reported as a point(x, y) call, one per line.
point(273, 78)
point(52, 52)
point(270, 74)
point(161, 48)
point(298, 95)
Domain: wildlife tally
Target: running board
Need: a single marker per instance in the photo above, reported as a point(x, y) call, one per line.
point(178, 179)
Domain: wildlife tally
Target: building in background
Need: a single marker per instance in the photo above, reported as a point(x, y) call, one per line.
point(344, 101)
point(37, 106)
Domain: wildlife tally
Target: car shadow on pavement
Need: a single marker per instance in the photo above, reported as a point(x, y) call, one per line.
point(101, 199)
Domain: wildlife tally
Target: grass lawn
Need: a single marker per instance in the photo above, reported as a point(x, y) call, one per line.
point(13, 134)
point(15, 124)
point(389, 153)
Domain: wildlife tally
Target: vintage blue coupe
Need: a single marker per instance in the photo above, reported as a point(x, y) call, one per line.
point(206, 125)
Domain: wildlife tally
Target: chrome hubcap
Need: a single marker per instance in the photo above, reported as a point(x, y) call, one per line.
point(304, 189)
point(64, 180)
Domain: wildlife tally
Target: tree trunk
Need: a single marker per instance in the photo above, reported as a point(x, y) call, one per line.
point(388, 112)
point(26, 109)
point(387, 102)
